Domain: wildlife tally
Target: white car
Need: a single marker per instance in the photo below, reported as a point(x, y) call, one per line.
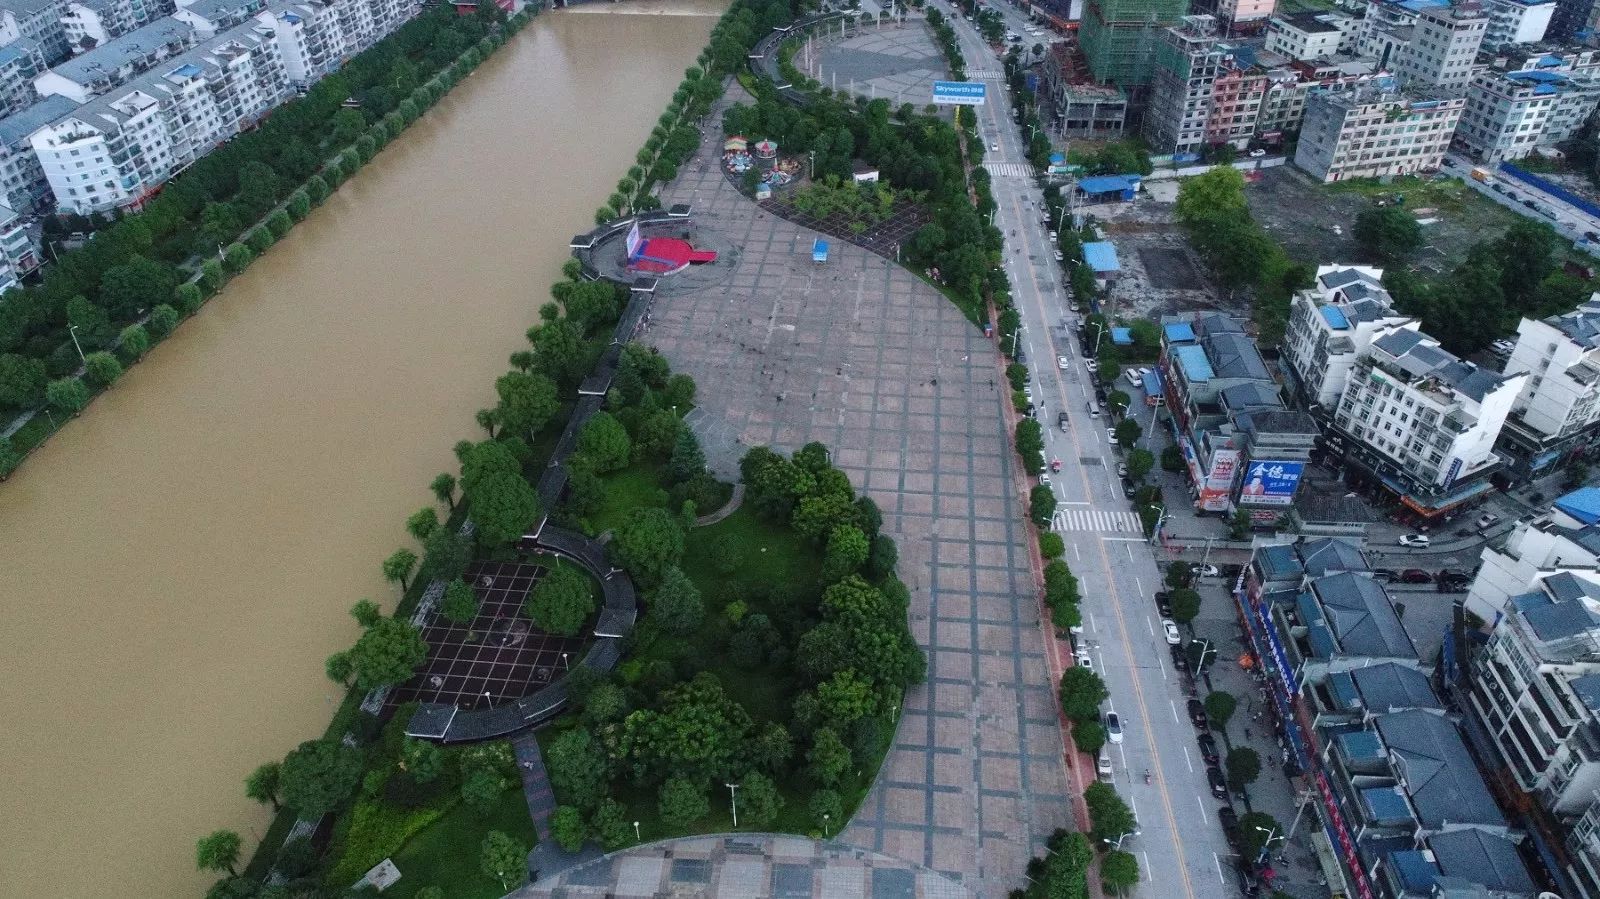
point(1206, 570)
point(1027, 391)
point(994, 147)
point(1053, 238)
point(1063, 362)
point(1091, 364)
point(1132, 375)
point(1171, 628)
point(1113, 727)
point(1487, 519)
point(1083, 661)
point(1419, 541)
point(1044, 478)
point(1257, 153)
point(1060, 257)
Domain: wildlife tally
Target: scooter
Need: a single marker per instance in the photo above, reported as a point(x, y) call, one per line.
point(1147, 775)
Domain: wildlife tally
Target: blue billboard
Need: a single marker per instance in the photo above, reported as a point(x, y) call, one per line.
point(1270, 483)
point(960, 93)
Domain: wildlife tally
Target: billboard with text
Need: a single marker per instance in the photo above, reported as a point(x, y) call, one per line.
point(1270, 483)
point(960, 93)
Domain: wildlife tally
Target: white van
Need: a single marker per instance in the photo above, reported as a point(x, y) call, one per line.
point(1094, 408)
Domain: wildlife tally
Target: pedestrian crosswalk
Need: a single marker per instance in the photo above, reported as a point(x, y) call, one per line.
point(1095, 520)
point(1009, 169)
point(986, 76)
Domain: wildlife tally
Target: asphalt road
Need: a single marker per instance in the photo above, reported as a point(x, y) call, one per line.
point(1568, 220)
point(1180, 846)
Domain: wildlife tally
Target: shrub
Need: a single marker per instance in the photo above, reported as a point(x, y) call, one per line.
point(377, 831)
point(1051, 546)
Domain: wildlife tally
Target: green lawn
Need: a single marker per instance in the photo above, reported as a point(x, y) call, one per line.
point(1447, 195)
point(770, 553)
point(447, 853)
point(636, 487)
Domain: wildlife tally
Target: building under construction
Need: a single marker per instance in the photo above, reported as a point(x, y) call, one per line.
point(1119, 38)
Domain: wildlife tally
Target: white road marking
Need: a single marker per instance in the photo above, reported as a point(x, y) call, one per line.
point(1186, 760)
point(1092, 626)
point(1148, 626)
point(1093, 520)
point(1174, 704)
point(1202, 803)
point(1140, 585)
point(1218, 862)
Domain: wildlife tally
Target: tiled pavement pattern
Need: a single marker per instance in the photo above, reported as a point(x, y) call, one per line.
point(746, 865)
point(894, 62)
point(862, 355)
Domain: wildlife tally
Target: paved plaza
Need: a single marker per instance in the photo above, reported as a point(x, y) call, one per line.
point(865, 357)
point(898, 62)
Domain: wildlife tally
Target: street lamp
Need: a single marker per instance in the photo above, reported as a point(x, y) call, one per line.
point(636, 837)
point(1272, 834)
point(1205, 647)
point(489, 699)
point(825, 817)
point(1161, 517)
point(1117, 843)
point(733, 793)
point(73, 330)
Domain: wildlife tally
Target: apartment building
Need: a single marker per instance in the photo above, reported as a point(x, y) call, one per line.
point(1374, 130)
point(1443, 49)
point(1283, 106)
point(1557, 412)
point(1421, 423)
point(1562, 541)
point(1186, 64)
point(1509, 114)
point(1312, 35)
point(1583, 855)
point(38, 21)
point(312, 38)
point(1243, 16)
point(22, 181)
point(19, 248)
point(1516, 22)
point(114, 151)
point(208, 17)
point(1119, 37)
point(90, 23)
point(1331, 326)
point(20, 62)
point(1574, 21)
point(117, 61)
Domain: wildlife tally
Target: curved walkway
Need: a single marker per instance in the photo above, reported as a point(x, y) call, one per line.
point(748, 866)
point(735, 500)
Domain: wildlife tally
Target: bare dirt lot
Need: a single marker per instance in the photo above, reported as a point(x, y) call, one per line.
point(1160, 273)
point(1302, 214)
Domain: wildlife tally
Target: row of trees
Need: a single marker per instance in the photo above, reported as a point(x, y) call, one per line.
point(1063, 871)
point(130, 286)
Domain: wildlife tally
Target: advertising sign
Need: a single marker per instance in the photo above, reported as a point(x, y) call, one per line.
point(1270, 483)
point(1219, 480)
point(1453, 473)
point(959, 93)
point(634, 241)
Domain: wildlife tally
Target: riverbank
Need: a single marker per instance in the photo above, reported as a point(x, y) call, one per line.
point(180, 561)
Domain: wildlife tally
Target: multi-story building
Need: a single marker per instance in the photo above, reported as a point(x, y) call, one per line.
point(1236, 97)
point(38, 21)
point(114, 151)
point(1244, 16)
point(1187, 60)
point(1422, 423)
point(1077, 106)
point(90, 23)
point(211, 16)
point(1509, 114)
point(1312, 35)
point(19, 248)
point(1439, 58)
point(1374, 130)
point(1332, 325)
point(311, 37)
point(1583, 855)
point(22, 181)
point(1558, 411)
point(1516, 22)
point(1563, 541)
point(117, 61)
point(20, 62)
point(1283, 106)
point(1119, 37)
point(1574, 21)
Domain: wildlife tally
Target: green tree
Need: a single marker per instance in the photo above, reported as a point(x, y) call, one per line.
point(578, 767)
point(846, 552)
point(829, 758)
point(163, 320)
point(1185, 605)
point(1041, 505)
point(1117, 401)
point(444, 555)
point(1088, 736)
point(135, 285)
point(504, 507)
point(1140, 461)
point(318, 776)
point(759, 801)
point(611, 825)
point(687, 459)
point(827, 809)
point(1109, 817)
point(1243, 765)
point(101, 369)
point(398, 567)
point(388, 653)
point(1128, 433)
point(648, 543)
point(366, 613)
point(481, 789)
point(1239, 524)
point(675, 604)
point(1119, 872)
point(1220, 705)
point(603, 443)
point(262, 784)
point(1254, 830)
point(562, 601)
point(1051, 546)
point(422, 523)
point(1172, 459)
point(504, 859)
point(1081, 692)
point(443, 486)
point(682, 803)
point(238, 257)
point(527, 401)
point(133, 342)
point(459, 603)
point(92, 324)
point(339, 668)
point(566, 825)
point(22, 381)
point(68, 395)
point(218, 851)
point(422, 760)
point(1387, 234)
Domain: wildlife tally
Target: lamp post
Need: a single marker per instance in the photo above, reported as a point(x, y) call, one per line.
point(1161, 516)
point(636, 837)
point(825, 817)
point(733, 794)
point(1117, 843)
point(73, 330)
point(1272, 834)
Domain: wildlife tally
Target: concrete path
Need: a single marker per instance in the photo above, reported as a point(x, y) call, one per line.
point(728, 508)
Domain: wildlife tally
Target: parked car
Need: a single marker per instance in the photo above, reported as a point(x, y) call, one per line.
point(1170, 628)
point(1453, 583)
point(1197, 715)
point(1180, 658)
point(1091, 364)
point(1102, 766)
point(1132, 376)
point(1164, 603)
point(1257, 153)
point(1487, 519)
point(1122, 469)
point(1219, 783)
point(1027, 391)
point(1419, 541)
point(1083, 660)
point(1208, 748)
point(1044, 478)
point(1128, 488)
point(1387, 575)
point(1206, 570)
point(1113, 727)
point(1063, 362)
point(1061, 420)
point(1415, 576)
point(1229, 819)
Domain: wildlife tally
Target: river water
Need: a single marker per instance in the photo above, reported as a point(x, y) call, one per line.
point(176, 564)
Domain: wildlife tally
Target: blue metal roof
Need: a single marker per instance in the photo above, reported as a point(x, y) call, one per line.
point(1101, 256)
point(1151, 381)
point(1361, 744)
point(1179, 331)
point(1334, 317)
point(1122, 336)
point(1417, 871)
point(1386, 804)
point(1582, 504)
point(1192, 359)
point(1105, 184)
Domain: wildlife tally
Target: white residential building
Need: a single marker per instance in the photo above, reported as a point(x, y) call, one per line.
point(1374, 130)
point(311, 37)
point(1516, 21)
point(1583, 848)
point(1510, 114)
point(22, 181)
point(19, 248)
point(1423, 418)
point(20, 62)
point(208, 17)
point(1561, 356)
point(1536, 549)
point(37, 20)
point(1443, 49)
point(117, 61)
point(91, 23)
point(1312, 35)
point(1332, 325)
